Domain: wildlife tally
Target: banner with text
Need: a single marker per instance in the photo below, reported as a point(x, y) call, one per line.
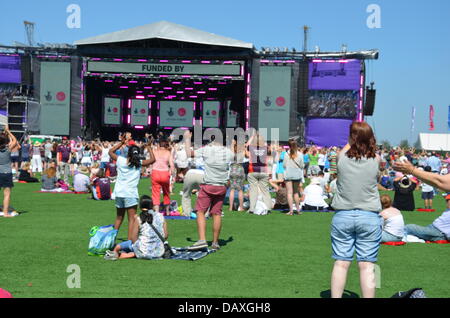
point(139, 112)
point(112, 111)
point(211, 114)
point(176, 113)
point(164, 68)
point(55, 98)
point(275, 100)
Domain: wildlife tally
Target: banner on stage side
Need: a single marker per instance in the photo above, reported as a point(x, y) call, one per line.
point(112, 111)
point(139, 112)
point(176, 113)
point(275, 99)
point(211, 114)
point(55, 98)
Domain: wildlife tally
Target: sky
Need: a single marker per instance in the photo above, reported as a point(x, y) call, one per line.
point(413, 69)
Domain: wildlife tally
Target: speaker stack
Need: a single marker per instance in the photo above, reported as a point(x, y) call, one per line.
point(16, 112)
point(369, 106)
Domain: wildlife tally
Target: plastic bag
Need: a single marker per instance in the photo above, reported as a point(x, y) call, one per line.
point(260, 207)
point(102, 239)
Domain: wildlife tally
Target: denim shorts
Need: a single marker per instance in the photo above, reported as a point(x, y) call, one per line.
point(123, 203)
point(356, 230)
point(126, 247)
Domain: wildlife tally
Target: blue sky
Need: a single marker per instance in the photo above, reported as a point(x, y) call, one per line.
point(414, 40)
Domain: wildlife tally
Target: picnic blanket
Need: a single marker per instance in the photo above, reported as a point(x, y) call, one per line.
point(177, 217)
point(182, 253)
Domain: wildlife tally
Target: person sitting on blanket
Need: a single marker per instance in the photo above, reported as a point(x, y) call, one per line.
point(144, 243)
point(439, 230)
point(81, 180)
point(49, 180)
point(394, 226)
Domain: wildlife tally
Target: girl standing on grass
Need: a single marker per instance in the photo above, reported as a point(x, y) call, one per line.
point(162, 169)
point(7, 143)
point(293, 174)
point(128, 176)
point(356, 225)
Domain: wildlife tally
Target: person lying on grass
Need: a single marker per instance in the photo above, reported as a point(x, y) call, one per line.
point(144, 243)
point(439, 230)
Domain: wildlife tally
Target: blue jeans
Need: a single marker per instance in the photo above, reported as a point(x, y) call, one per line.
point(356, 230)
point(126, 247)
point(427, 233)
point(388, 237)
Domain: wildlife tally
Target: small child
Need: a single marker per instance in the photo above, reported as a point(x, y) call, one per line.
point(144, 243)
point(427, 192)
point(393, 227)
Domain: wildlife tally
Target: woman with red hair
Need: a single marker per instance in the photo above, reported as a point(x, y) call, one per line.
point(356, 225)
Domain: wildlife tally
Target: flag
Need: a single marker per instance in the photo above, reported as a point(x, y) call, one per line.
point(431, 117)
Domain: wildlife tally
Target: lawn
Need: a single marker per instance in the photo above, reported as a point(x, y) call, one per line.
point(263, 256)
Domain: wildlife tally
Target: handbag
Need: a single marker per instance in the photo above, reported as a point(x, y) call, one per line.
point(168, 253)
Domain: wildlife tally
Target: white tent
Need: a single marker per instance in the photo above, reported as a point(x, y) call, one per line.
point(438, 142)
point(167, 31)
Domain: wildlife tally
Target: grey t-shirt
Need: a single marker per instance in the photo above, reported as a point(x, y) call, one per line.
point(5, 161)
point(357, 186)
point(48, 183)
point(217, 160)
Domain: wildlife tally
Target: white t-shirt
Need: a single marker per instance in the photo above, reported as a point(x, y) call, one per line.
point(127, 180)
point(217, 160)
point(314, 196)
point(321, 160)
point(427, 187)
point(181, 159)
point(105, 155)
point(394, 225)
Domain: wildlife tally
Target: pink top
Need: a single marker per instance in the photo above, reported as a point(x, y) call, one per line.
point(162, 158)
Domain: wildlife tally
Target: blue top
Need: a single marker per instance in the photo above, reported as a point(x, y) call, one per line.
point(127, 180)
point(280, 168)
point(434, 163)
point(306, 158)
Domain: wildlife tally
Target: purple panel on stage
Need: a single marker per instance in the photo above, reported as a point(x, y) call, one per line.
point(10, 69)
point(335, 75)
point(328, 132)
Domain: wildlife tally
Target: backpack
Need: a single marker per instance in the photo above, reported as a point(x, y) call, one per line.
point(102, 239)
point(63, 185)
point(412, 293)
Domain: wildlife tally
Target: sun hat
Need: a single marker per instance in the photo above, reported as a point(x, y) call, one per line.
point(83, 170)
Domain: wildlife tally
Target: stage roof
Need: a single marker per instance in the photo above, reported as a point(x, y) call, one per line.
point(166, 31)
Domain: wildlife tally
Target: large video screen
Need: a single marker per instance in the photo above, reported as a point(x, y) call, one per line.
point(10, 69)
point(334, 104)
point(335, 75)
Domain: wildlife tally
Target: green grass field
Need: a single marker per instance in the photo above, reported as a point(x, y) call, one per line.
point(264, 256)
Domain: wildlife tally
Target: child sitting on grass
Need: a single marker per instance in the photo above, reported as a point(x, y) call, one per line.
point(144, 243)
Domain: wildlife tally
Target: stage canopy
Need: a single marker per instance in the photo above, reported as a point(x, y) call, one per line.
point(165, 31)
point(438, 142)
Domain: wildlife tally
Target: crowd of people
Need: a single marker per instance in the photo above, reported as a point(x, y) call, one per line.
point(255, 176)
